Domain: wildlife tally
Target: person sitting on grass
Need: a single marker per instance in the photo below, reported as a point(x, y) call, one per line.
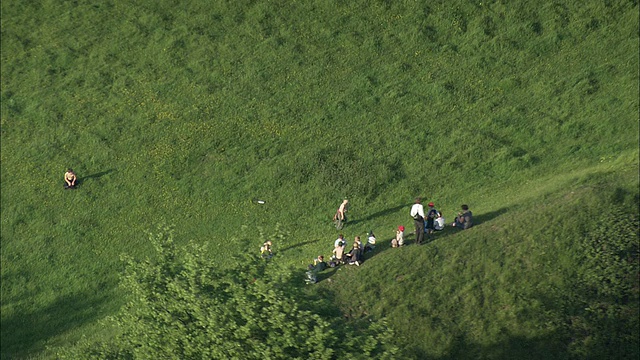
point(464, 220)
point(439, 223)
point(371, 242)
point(70, 179)
point(265, 250)
point(360, 245)
point(338, 253)
point(399, 239)
point(354, 257)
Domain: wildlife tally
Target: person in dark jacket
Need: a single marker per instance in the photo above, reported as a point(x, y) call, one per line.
point(430, 220)
point(354, 257)
point(464, 220)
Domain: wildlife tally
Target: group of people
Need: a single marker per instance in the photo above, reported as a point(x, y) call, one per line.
point(355, 256)
point(433, 220)
point(426, 223)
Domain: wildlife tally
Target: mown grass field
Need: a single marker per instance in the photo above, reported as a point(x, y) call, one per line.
point(182, 112)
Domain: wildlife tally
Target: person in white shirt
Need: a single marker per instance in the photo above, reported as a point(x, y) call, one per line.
point(399, 239)
point(371, 242)
point(439, 223)
point(417, 213)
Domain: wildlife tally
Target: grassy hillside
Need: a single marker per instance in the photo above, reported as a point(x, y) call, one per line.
point(182, 112)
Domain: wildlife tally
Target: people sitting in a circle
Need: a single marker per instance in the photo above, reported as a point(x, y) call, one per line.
point(70, 179)
point(464, 220)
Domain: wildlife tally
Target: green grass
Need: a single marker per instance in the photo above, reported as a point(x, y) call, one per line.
point(182, 112)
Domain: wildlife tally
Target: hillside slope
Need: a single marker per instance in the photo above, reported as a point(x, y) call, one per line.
point(534, 279)
point(183, 112)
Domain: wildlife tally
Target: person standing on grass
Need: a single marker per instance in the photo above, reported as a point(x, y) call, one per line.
point(464, 220)
point(342, 209)
point(70, 179)
point(417, 213)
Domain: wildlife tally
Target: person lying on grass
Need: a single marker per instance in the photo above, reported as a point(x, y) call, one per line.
point(70, 179)
point(318, 264)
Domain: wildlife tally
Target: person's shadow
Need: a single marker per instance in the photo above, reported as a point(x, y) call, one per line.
point(81, 180)
point(381, 213)
point(479, 219)
point(297, 245)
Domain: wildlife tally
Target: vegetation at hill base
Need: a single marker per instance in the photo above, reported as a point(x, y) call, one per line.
point(185, 112)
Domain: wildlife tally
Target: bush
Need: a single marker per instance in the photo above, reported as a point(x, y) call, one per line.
point(183, 306)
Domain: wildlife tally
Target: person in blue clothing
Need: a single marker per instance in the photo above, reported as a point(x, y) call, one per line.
point(430, 219)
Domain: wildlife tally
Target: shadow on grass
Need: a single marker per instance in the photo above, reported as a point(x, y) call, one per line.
point(550, 346)
point(381, 213)
point(95, 176)
point(324, 302)
point(298, 245)
point(24, 334)
point(482, 218)
point(410, 237)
